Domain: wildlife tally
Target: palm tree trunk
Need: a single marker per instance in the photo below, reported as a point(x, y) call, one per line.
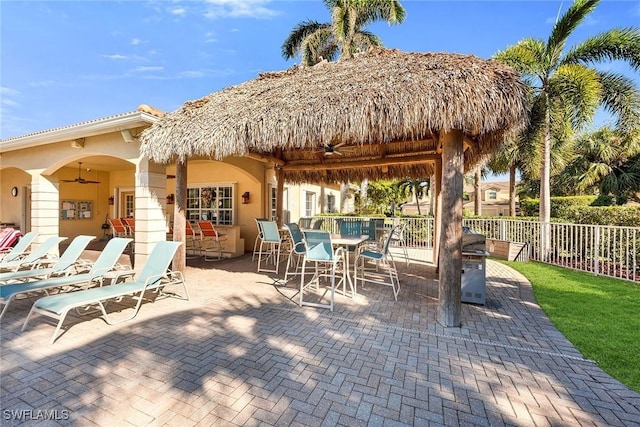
point(512, 190)
point(545, 191)
point(417, 201)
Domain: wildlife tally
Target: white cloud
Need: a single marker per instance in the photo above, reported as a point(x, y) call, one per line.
point(136, 42)
point(178, 11)
point(5, 91)
point(42, 83)
point(239, 9)
point(115, 56)
point(148, 69)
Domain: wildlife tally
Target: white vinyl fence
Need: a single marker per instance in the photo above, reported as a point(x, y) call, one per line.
point(599, 249)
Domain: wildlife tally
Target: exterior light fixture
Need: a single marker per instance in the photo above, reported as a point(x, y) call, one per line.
point(245, 198)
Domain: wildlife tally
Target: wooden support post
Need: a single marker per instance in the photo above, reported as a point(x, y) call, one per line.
point(450, 293)
point(437, 211)
point(279, 196)
point(179, 216)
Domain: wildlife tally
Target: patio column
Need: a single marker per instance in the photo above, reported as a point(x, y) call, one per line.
point(150, 194)
point(450, 269)
point(279, 196)
point(45, 206)
point(437, 210)
point(179, 216)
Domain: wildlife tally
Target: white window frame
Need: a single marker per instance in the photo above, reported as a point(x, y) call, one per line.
point(196, 212)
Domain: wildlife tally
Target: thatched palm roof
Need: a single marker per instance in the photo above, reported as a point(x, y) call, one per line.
point(384, 104)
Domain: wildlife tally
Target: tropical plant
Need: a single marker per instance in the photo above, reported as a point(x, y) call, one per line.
point(605, 162)
point(345, 35)
point(568, 89)
point(417, 188)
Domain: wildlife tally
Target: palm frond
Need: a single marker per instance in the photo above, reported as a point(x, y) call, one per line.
point(526, 57)
point(622, 44)
point(293, 44)
point(621, 97)
point(364, 40)
point(317, 43)
point(577, 88)
point(370, 11)
point(567, 23)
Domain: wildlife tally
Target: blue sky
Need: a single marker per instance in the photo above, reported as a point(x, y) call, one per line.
point(65, 62)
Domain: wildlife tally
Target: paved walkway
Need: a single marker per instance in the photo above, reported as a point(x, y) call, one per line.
point(241, 352)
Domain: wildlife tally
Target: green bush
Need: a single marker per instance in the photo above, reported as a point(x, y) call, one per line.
point(563, 207)
point(606, 215)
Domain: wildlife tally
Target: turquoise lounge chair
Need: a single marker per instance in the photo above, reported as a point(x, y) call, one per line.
point(20, 249)
point(105, 263)
point(34, 257)
point(153, 277)
point(63, 266)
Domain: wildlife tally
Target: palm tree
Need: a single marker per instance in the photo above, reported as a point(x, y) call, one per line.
point(605, 162)
point(345, 35)
point(568, 89)
point(417, 188)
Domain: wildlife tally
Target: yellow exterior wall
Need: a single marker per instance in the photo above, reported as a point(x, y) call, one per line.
point(11, 208)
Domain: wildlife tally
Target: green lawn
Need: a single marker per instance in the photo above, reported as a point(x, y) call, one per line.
point(599, 315)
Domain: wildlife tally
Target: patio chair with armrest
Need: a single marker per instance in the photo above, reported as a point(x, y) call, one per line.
point(20, 250)
point(304, 223)
point(210, 241)
point(297, 250)
point(118, 229)
point(154, 276)
point(130, 224)
point(382, 258)
point(327, 263)
point(35, 257)
point(106, 262)
point(271, 238)
point(67, 263)
point(398, 240)
point(258, 237)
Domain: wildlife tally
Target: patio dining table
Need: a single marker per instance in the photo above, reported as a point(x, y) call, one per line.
point(346, 242)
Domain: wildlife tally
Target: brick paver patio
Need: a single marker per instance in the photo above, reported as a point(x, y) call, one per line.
point(241, 352)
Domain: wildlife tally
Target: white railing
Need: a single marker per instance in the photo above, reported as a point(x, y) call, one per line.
point(599, 249)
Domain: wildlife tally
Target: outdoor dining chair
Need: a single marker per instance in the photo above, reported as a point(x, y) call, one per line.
point(130, 223)
point(317, 224)
point(327, 263)
point(398, 240)
point(118, 229)
point(211, 241)
point(271, 238)
point(297, 250)
point(305, 223)
point(365, 272)
point(258, 237)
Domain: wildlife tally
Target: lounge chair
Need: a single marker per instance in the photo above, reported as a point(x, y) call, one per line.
point(35, 257)
point(8, 237)
point(63, 266)
point(20, 249)
point(105, 263)
point(153, 277)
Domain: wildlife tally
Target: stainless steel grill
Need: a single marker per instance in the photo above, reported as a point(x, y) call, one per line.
point(474, 255)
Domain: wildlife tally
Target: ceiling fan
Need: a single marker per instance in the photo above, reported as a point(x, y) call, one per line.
point(332, 149)
point(80, 179)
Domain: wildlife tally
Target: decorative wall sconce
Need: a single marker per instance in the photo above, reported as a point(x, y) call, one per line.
point(170, 199)
point(111, 200)
point(245, 198)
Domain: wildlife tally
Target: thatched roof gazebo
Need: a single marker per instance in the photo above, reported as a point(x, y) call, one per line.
point(384, 113)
